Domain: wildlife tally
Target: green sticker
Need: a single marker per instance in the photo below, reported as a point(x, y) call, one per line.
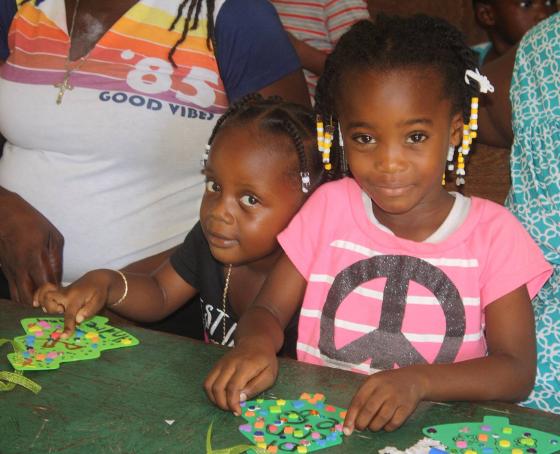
point(44, 349)
point(492, 436)
point(300, 426)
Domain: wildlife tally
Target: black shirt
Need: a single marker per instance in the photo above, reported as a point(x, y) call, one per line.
point(193, 261)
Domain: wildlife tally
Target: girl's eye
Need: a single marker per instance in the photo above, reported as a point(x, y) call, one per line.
point(416, 137)
point(249, 200)
point(212, 186)
point(364, 139)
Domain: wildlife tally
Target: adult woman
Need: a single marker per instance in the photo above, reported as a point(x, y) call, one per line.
point(106, 106)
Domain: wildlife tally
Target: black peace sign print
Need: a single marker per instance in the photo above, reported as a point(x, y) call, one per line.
point(387, 345)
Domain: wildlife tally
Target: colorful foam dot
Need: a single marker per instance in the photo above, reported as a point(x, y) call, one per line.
point(91, 335)
point(301, 449)
point(259, 424)
point(261, 445)
point(288, 430)
point(298, 433)
point(272, 449)
point(55, 335)
point(527, 441)
point(486, 428)
point(44, 324)
point(469, 451)
point(461, 444)
point(516, 451)
point(40, 356)
point(258, 439)
point(273, 428)
point(245, 428)
point(93, 345)
point(293, 416)
point(504, 443)
point(482, 437)
point(52, 355)
point(126, 341)
point(275, 409)
point(281, 402)
point(297, 404)
point(316, 435)
point(249, 414)
point(507, 430)
point(289, 446)
point(330, 408)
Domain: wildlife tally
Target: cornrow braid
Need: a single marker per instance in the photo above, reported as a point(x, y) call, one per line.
point(193, 13)
point(273, 115)
point(300, 148)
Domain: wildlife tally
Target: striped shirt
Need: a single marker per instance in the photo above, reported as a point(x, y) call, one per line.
point(319, 24)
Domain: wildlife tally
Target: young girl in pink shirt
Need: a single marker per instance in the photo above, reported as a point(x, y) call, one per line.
point(427, 291)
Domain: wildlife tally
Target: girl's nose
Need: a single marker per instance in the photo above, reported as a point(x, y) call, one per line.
point(389, 160)
point(221, 210)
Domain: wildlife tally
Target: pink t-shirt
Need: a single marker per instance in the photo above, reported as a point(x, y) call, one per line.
point(375, 301)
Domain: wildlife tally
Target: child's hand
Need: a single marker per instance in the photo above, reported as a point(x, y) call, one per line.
point(241, 373)
point(385, 401)
point(79, 301)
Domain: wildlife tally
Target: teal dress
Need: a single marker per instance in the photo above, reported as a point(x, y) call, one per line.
point(535, 194)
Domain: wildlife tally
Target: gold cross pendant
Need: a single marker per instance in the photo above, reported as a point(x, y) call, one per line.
point(63, 86)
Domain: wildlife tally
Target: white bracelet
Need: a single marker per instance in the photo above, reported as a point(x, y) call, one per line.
point(121, 299)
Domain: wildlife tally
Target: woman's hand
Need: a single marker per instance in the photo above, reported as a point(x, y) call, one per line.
point(30, 247)
point(385, 400)
point(243, 372)
point(79, 301)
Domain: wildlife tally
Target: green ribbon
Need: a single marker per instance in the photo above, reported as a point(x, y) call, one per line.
point(16, 378)
point(237, 449)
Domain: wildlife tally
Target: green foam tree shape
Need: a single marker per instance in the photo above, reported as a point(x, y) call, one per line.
point(304, 425)
point(494, 435)
point(44, 349)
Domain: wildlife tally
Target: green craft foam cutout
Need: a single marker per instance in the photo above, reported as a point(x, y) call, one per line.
point(45, 350)
point(494, 435)
point(299, 426)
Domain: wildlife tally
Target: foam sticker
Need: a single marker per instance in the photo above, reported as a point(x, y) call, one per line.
point(44, 349)
point(493, 435)
point(304, 425)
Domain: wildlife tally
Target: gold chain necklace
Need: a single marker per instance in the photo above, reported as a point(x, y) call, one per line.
point(65, 83)
point(224, 299)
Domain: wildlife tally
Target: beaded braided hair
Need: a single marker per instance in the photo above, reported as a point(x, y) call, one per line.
point(393, 42)
point(275, 116)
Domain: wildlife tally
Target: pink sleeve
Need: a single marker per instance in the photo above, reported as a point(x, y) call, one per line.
point(512, 257)
point(301, 238)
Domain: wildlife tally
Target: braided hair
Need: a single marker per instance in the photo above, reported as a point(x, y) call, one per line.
point(393, 42)
point(275, 116)
point(193, 13)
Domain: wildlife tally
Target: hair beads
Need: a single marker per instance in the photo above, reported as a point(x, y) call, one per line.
point(324, 142)
point(470, 129)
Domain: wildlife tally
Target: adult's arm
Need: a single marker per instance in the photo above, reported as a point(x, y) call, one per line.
point(495, 127)
point(30, 247)
point(254, 53)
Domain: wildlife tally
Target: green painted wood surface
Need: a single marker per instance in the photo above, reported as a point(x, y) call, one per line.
point(119, 403)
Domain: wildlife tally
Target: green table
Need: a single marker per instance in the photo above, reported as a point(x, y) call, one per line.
point(119, 403)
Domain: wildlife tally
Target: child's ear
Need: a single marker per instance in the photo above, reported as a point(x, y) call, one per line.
point(456, 130)
point(485, 15)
